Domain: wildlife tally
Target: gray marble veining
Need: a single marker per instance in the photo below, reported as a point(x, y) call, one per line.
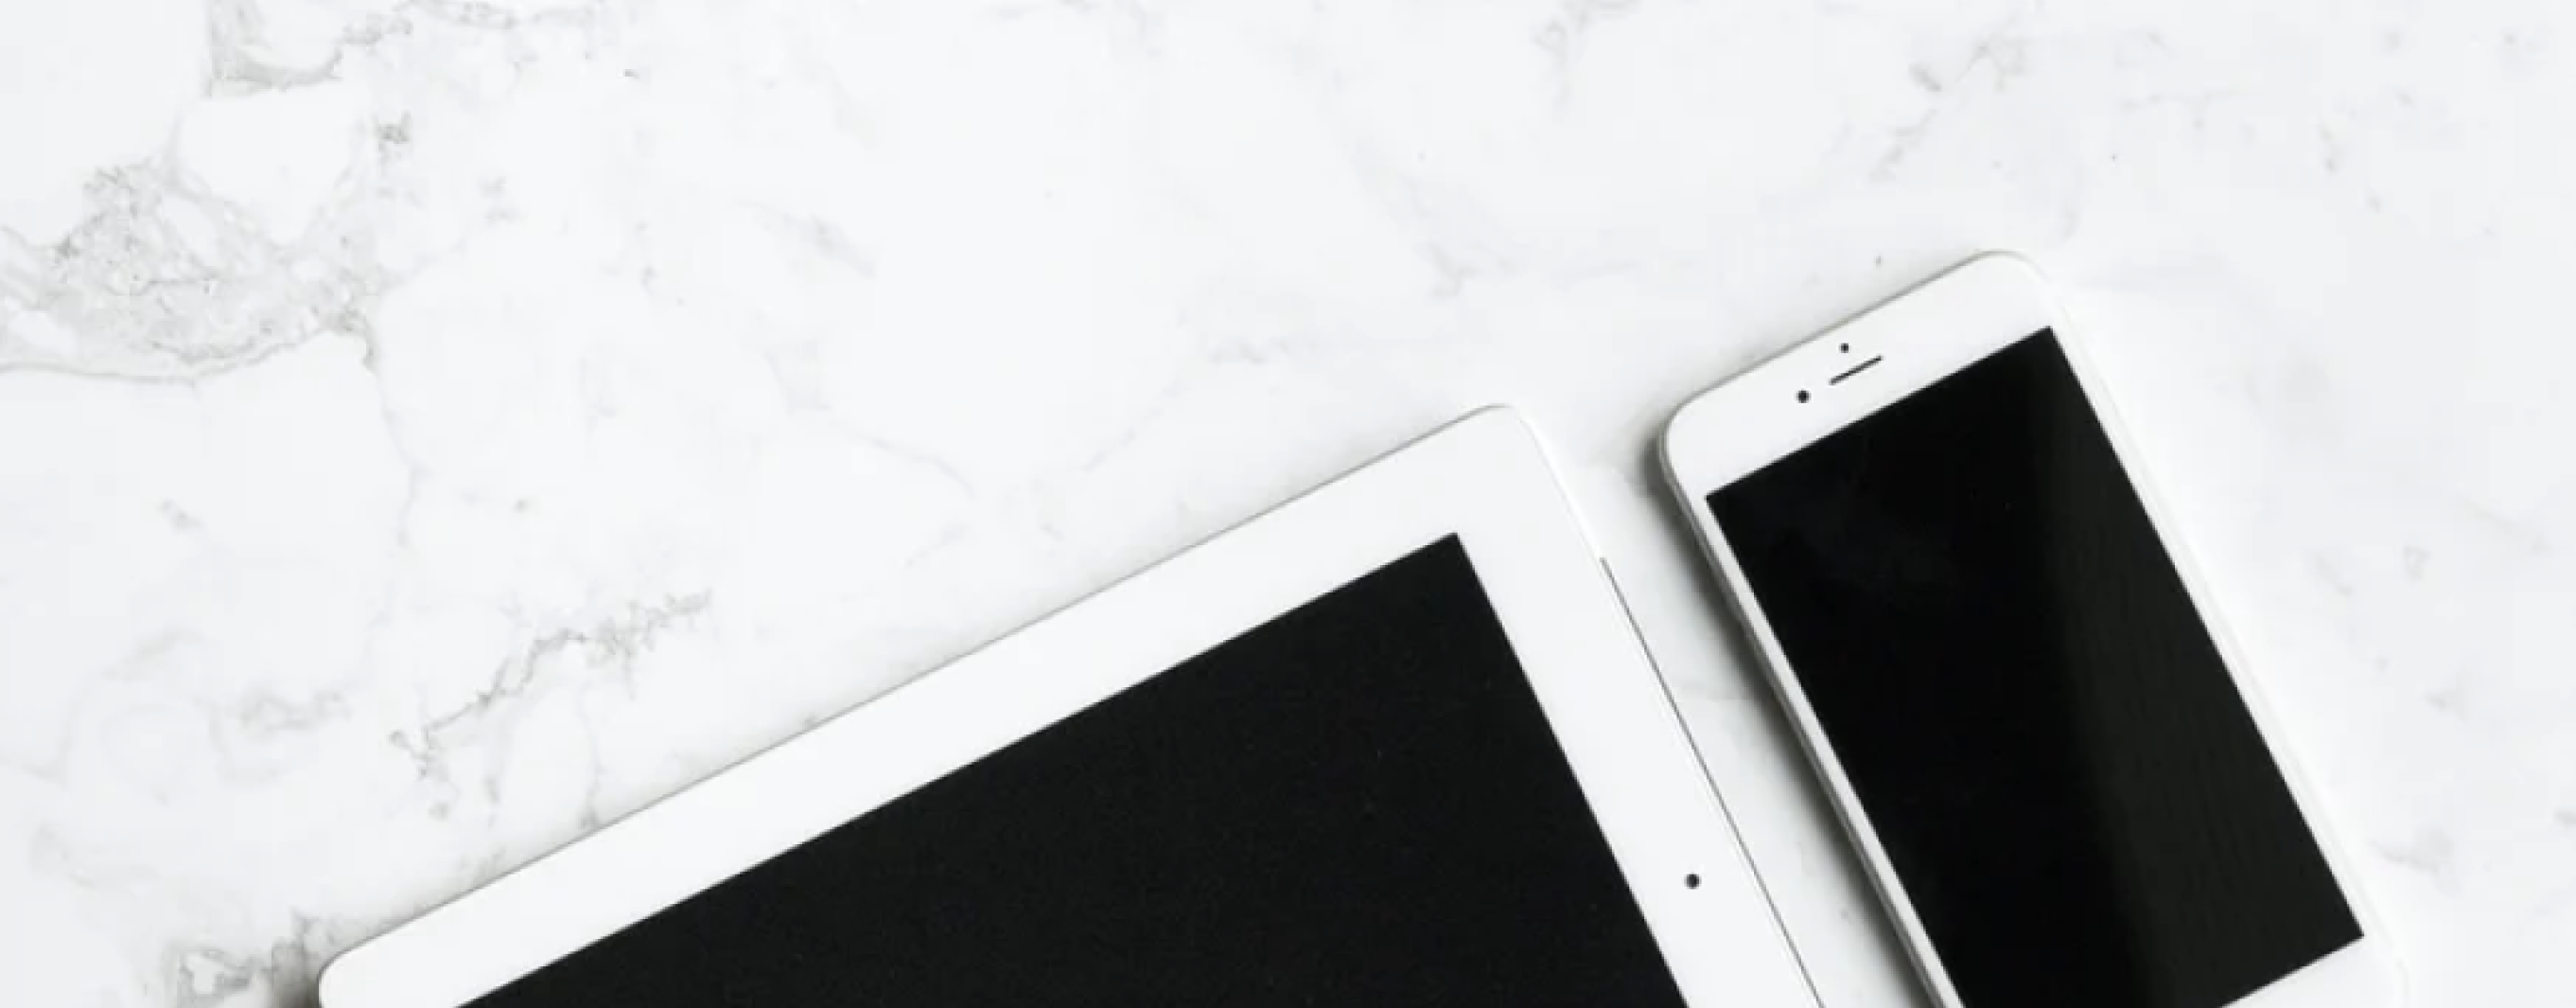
point(429, 429)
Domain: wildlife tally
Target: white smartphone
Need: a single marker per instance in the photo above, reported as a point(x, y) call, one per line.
point(2008, 674)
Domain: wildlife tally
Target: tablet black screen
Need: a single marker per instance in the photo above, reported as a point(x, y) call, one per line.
point(1357, 803)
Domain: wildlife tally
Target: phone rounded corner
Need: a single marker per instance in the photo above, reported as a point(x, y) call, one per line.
point(1678, 441)
point(1496, 413)
point(331, 987)
point(1667, 465)
point(2018, 266)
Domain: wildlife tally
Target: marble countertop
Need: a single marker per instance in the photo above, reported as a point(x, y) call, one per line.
point(430, 429)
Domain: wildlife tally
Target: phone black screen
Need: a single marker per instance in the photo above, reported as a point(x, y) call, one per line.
point(1358, 803)
point(2026, 703)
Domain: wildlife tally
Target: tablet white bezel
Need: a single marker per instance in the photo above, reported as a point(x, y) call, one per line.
point(1917, 339)
point(1483, 479)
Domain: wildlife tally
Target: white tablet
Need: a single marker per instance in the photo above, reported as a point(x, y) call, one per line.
point(1392, 743)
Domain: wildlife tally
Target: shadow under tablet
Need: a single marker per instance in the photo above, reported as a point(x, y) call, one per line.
point(1359, 802)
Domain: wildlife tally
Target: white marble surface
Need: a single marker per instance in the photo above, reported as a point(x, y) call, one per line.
point(429, 429)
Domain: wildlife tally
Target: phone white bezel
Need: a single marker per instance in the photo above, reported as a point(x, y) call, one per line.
point(1484, 479)
point(1912, 341)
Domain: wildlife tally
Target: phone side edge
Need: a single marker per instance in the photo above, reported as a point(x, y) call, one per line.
point(1922, 960)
